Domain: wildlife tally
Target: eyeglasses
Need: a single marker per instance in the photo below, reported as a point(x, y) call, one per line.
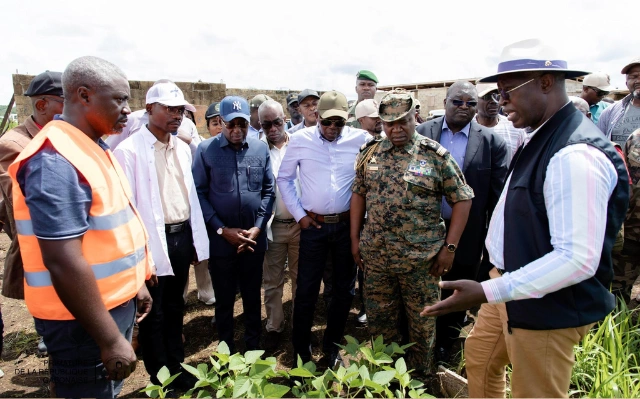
point(598, 92)
point(334, 122)
point(495, 97)
point(504, 95)
point(242, 123)
point(268, 124)
point(459, 103)
point(171, 110)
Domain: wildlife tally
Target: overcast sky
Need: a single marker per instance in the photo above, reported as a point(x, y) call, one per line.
point(303, 44)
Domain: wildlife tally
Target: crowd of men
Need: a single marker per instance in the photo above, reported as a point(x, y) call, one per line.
point(512, 201)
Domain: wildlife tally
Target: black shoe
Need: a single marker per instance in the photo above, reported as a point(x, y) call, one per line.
point(362, 318)
point(272, 340)
point(331, 360)
point(185, 381)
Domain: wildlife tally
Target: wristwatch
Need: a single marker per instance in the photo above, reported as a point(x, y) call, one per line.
point(219, 231)
point(450, 247)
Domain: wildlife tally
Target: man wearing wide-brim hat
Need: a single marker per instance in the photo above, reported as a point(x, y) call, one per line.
point(550, 236)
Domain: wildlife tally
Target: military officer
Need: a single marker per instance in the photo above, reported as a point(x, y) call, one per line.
point(366, 87)
point(403, 247)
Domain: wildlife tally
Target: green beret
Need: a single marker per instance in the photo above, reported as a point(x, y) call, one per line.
point(367, 75)
point(395, 105)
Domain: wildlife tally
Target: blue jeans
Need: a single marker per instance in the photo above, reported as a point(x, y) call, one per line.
point(315, 244)
point(76, 367)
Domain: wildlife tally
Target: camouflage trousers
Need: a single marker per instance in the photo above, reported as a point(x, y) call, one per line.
point(626, 269)
point(387, 291)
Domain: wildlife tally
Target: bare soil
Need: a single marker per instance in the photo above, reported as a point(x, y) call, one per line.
point(26, 375)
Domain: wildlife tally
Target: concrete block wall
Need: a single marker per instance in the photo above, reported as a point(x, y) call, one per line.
point(200, 94)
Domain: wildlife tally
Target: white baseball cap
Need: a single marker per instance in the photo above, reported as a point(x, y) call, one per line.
point(367, 108)
point(599, 80)
point(167, 94)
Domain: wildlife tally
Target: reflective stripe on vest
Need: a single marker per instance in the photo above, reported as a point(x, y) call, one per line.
point(101, 270)
point(105, 222)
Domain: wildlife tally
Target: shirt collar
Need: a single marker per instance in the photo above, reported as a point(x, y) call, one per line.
point(386, 145)
point(224, 142)
point(286, 141)
point(464, 130)
point(321, 137)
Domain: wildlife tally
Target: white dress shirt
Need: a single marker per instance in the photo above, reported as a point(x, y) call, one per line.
point(137, 119)
point(578, 184)
point(280, 210)
point(137, 158)
point(326, 171)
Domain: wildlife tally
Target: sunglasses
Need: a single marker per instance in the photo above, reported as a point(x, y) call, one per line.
point(459, 103)
point(242, 123)
point(504, 95)
point(268, 124)
point(495, 97)
point(336, 123)
point(177, 110)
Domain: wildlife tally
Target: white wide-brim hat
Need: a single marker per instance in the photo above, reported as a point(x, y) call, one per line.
point(531, 56)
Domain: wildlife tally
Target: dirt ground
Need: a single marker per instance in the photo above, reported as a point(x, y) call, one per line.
point(25, 373)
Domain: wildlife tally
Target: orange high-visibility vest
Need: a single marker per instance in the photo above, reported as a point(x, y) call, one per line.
point(116, 243)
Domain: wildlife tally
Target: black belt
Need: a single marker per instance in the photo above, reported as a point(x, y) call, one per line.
point(175, 227)
point(284, 220)
point(335, 218)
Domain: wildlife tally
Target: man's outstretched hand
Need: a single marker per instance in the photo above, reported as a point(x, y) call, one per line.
point(467, 293)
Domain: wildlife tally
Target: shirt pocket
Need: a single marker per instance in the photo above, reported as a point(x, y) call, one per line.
point(255, 175)
point(422, 191)
point(223, 180)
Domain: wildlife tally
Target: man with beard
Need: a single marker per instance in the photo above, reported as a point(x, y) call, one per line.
point(550, 237)
point(323, 157)
point(488, 116)
point(400, 182)
point(158, 167)
point(481, 155)
point(71, 202)
point(622, 118)
point(367, 115)
point(233, 177)
point(294, 111)
point(366, 87)
point(308, 102)
point(282, 230)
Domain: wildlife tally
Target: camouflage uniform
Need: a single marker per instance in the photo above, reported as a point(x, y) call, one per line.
point(403, 188)
point(352, 121)
point(626, 264)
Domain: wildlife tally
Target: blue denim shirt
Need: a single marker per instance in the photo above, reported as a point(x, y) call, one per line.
point(235, 188)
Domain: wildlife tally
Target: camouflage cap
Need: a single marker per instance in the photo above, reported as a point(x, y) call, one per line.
point(395, 105)
point(367, 75)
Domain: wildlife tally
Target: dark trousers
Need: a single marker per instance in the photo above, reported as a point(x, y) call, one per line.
point(448, 326)
point(315, 244)
point(244, 270)
point(75, 364)
point(160, 332)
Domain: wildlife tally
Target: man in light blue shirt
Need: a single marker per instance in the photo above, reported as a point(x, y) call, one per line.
point(324, 156)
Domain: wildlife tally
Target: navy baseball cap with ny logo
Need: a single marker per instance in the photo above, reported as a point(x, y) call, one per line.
point(232, 107)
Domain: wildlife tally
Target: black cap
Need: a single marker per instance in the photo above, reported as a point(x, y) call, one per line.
point(307, 93)
point(292, 98)
point(46, 83)
point(213, 110)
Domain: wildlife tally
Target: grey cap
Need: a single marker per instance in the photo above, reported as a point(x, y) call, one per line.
point(307, 93)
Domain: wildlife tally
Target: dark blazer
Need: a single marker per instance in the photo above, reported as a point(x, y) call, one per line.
point(485, 167)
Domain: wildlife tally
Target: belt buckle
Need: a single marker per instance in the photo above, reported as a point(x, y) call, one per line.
point(332, 218)
point(175, 228)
